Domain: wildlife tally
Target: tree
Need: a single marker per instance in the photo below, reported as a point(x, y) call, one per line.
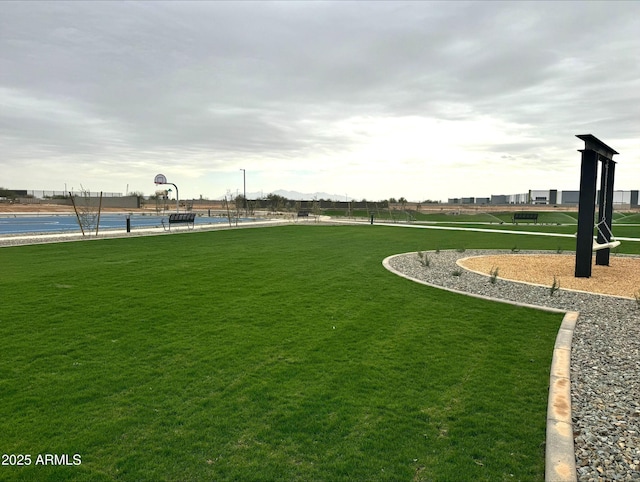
point(239, 200)
point(276, 202)
point(87, 210)
point(228, 208)
point(316, 209)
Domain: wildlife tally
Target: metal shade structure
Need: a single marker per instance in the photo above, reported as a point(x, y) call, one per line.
point(594, 151)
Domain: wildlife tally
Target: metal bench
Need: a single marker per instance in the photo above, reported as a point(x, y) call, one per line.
point(525, 217)
point(180, 218)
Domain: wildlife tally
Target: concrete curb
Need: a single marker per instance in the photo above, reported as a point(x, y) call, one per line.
point(385, 263)
point(560, 459)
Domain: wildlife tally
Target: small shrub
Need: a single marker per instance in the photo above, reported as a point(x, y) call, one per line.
point(424, 259)
point(461, 250)
point(515, 249)
point(559, 250)
point(437, 251)
point(554, 287)
point(456, 272)
point(493, 275)
point(637, 296)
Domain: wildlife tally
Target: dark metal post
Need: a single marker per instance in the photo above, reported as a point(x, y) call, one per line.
point(586, 213)
point(244, 182)
point(177, 197)
point(606, 210)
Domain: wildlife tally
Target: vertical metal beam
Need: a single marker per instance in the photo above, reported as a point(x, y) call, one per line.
point(586, 213)
point(602, 201)
point(177, 197)
point(606, 210)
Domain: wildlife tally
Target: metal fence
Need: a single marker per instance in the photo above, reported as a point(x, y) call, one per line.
point(63, 194)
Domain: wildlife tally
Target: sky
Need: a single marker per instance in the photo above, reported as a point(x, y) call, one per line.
point(366, 100)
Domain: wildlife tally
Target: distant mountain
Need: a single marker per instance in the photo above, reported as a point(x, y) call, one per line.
point(301, 196)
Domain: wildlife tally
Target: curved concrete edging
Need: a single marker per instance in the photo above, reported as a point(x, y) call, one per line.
point(560, 454)
point(560, 460)
point(387, 265)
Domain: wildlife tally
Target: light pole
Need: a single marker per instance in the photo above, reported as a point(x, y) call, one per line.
point(244, 181)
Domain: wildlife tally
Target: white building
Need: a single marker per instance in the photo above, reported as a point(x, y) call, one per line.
point(546, 197)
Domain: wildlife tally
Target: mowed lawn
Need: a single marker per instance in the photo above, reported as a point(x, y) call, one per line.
point(284, 353)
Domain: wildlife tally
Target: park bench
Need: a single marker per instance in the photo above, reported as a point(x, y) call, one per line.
point(303, 214)
point(180, 218)
point(525, 217)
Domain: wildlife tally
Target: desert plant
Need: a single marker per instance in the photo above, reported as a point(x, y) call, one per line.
point(637, 296)
point(493, 275)
point(229, 214)
point(461, 250)
point(456, 272)
point(515, 249)
point(424, 259)
point(555, 286)
point(559, 250)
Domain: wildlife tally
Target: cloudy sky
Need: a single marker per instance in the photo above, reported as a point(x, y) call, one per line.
point(372, 100)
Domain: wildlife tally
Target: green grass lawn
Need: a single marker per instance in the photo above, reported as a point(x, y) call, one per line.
point(619, 230)
point(627, 218)
point(479, 217)
point(283, 353)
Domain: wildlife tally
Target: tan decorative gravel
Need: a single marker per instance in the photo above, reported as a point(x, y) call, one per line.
point(620, 278)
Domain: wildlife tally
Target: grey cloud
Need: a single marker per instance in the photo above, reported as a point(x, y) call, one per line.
point(229, 79)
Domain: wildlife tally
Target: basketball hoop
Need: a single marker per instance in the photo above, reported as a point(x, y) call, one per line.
point(160, 179)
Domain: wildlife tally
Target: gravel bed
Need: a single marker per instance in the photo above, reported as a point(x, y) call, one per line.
point(605, 360)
